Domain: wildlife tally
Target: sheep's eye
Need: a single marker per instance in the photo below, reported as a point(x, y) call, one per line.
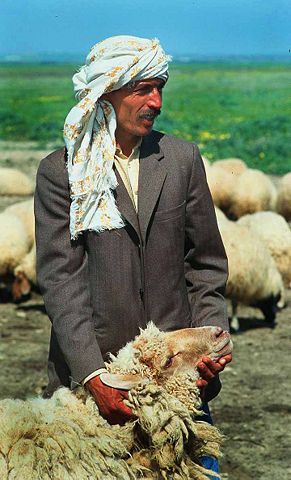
point(168, 362)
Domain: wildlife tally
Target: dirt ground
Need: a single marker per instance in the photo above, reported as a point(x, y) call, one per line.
point(253, 410)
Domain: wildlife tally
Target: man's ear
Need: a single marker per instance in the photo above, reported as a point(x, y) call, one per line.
point(122, 381)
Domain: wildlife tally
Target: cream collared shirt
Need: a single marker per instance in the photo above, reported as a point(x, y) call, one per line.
point(128, 169)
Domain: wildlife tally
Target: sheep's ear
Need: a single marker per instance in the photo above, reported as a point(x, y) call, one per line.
point(122, 381)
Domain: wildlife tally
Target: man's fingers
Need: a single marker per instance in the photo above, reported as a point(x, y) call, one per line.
point(120, 415)
point(211, 364)
point(205, 371)
point(110, 401)
point(117, 413)
point(224, 360)
point(208, 369)
point(218, 366)
point(208, 366)
point(124, 394)
point(201, 383)
point(125, 409)
point(123, 405)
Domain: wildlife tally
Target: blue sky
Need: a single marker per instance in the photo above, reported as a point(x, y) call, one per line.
point(196, 27)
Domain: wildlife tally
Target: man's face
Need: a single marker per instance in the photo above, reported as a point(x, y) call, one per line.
point(136, 107)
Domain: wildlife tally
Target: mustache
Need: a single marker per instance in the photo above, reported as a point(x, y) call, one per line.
point(150, 114)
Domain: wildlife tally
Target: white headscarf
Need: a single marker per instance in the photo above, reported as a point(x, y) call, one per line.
point(89, 129)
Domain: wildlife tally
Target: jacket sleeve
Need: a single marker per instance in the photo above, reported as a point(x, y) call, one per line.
point(62, 270)
point(206, 268)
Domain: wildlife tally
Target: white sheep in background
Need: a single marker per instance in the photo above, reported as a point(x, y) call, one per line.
point(14, 242)
point(253, 192)
point(65, 437)
point(235, 166)
point(222, 179)
point(25, 212)
point(14, 182)
point(221, 185)
point(254, 279)
point(24, 275)
point(17, 248)
point(221, 217)
point(206, 162)
point(274, 231)
point(284, 197)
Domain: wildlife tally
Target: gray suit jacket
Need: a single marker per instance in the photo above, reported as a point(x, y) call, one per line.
point(167, 264)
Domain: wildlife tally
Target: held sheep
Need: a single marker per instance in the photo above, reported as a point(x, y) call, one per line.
point(274, 231)
point(14, 182)
point(284, 197)
point(254, 279)
point(64, 437)
point(253, 192)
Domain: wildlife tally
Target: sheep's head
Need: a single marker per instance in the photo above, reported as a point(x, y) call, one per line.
point(156, 354)
point(185, 348)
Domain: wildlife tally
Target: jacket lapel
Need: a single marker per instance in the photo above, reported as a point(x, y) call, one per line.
point(152, 174)
point(124, 203)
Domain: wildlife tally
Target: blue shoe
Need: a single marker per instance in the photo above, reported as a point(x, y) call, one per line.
point(209, 462)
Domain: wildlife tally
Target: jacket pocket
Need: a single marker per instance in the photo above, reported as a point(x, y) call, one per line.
point(162, 215)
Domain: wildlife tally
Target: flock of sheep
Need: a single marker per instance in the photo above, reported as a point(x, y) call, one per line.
point(253, 218)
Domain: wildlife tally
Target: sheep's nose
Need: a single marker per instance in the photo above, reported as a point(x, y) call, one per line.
point(218, 331)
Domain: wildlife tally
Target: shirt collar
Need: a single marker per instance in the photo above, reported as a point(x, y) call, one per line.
point(120, 154)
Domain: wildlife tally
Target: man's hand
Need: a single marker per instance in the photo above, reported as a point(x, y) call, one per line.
point(208, 369)
point(110, 401)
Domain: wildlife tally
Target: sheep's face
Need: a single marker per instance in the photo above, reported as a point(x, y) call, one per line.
point(164, 354)
point(183, 349)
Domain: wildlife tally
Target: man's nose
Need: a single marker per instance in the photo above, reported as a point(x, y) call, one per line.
point(155, 99)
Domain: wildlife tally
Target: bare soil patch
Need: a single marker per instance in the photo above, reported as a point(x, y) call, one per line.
point(254, 407)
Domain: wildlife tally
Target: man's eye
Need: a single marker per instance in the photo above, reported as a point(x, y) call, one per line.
point(144, 90)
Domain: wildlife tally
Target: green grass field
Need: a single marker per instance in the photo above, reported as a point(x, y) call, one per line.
point(230, 110)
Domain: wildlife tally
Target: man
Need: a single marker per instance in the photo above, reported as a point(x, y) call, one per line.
point(125, 225)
